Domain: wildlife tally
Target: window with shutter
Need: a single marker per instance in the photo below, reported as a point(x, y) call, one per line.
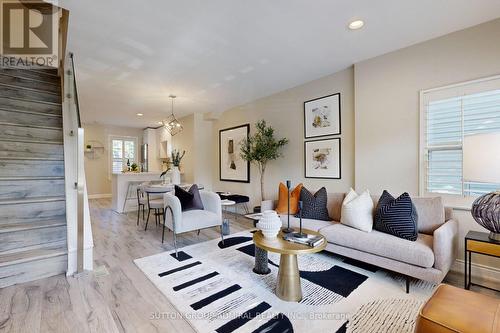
point(123, 149)
point(450, 114)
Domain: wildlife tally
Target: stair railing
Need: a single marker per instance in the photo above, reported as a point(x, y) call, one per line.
point(77, 210)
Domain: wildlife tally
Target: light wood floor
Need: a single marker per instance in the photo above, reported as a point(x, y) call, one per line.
point(121, 301)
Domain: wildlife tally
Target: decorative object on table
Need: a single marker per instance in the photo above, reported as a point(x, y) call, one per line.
point(288, 230)
point(232, 167)
point(322, 159)
point(304, 239)
point(300, 234)
point(314, 206)
point(322, 116)
point(134, 167)
point(88, 148)
point(190, 200)
point(164, 173)
point(261, 148)
point(479, 243)
point(282, 206)
point(171, 123)
point(269, 224)
point(397, 217)
point(481, 164)
point(176, 162)
point(128, 164)
point(261, 266)
point(357, 211)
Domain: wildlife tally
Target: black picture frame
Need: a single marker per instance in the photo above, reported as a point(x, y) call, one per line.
point(306, 136)
point(235, 148)
point(339, 158)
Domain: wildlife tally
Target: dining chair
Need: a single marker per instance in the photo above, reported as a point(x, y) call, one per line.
point(141, 202)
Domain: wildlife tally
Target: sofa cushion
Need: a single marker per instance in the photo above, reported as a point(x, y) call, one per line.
point(334, 205)
point(282, 206)
point(417, 253)
point(314, 205)
point(397, 217)
point(431, 214)
point(357, 211)
point(310, 224)
point(189, 199)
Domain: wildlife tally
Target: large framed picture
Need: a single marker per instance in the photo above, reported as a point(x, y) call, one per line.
point(232, 167)
point(322, 116)
point(322, 158)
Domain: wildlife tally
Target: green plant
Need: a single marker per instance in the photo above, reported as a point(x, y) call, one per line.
point(177, 157)
point(165, 172)
point(89, 147)
point(261, 148)
point(134, 167)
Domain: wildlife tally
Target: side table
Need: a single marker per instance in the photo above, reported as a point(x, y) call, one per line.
point(480, 243)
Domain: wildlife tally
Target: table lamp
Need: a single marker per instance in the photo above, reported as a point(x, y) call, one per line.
point(481, 164)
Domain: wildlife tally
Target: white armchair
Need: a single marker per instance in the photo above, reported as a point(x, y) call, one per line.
point(179, 222)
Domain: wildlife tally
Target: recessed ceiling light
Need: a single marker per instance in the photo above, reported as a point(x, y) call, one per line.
point(140, 114)
point(356, 24)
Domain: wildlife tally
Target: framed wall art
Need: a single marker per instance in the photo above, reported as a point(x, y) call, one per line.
point(322, 159)
point(322, 116)
point(232, 167)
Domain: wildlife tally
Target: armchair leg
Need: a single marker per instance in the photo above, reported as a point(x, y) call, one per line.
point(198, 232)
point(407, 284)
point(222, 235)
point(175, 245)
point(163, 229)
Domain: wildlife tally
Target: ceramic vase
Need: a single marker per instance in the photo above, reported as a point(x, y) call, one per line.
point(269, 224)
point(176, 175)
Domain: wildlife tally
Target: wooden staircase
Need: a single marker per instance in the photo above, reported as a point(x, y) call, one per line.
point(32, 194)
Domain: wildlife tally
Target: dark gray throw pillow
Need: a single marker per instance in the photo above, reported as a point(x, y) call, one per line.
point(190, 200)
point(397, 217)
point(314, 206)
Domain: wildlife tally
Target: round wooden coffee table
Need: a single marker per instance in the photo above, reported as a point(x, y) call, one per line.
point(288, 285)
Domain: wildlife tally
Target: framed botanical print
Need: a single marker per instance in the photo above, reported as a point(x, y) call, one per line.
point(322, 159)
point(322, 116)
point(232, 167)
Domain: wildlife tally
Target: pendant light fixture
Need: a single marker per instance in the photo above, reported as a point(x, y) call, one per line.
point(172, 125)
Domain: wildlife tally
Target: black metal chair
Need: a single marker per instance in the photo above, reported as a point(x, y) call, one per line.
point(141, 203)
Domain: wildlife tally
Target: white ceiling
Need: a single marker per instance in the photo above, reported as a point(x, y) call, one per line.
point(130, 54)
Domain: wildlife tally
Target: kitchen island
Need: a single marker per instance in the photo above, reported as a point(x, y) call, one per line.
point(124, 185)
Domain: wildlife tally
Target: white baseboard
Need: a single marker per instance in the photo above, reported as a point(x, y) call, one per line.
point(100, 196)
point(479, 272)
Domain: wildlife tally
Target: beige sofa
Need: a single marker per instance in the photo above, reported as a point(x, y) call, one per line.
point(428, 258)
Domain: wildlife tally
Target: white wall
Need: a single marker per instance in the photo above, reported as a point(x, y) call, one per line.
point(284, 111)
point(96, 169)
point(387, 107)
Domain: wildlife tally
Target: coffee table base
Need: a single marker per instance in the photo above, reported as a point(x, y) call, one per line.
point(288, 285)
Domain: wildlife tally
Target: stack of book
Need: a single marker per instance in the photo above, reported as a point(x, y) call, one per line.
point(309, 240)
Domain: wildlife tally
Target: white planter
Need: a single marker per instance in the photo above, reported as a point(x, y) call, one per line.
point(269, 224)
point(176, 176)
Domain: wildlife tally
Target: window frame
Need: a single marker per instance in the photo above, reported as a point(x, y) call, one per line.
point(110, 149)
point(423, 149)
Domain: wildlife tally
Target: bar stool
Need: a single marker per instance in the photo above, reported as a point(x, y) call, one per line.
point(141, 202)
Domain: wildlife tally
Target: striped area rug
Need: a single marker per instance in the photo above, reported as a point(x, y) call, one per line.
point(214, 288)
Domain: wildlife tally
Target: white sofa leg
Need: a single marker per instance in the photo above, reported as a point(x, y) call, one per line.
point(175, 245)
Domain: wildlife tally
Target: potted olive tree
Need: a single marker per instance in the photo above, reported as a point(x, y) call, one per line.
point(261, 148)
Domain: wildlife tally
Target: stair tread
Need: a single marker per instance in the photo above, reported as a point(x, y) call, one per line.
point(50, 159)
point(33, 100)
point(47, 114)
point(24, 78)
point(18, 86)
point(20, 226)
point(43, 251)
point(21, 178)
point(32, 200)
point(49, 142)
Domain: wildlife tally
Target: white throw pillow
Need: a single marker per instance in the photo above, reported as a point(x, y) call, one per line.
point(357, 211)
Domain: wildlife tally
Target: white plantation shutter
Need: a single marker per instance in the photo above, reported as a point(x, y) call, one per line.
point(449, 115)
point(122, 149)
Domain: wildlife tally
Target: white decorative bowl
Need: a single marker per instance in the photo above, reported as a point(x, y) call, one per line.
point(269, 224)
